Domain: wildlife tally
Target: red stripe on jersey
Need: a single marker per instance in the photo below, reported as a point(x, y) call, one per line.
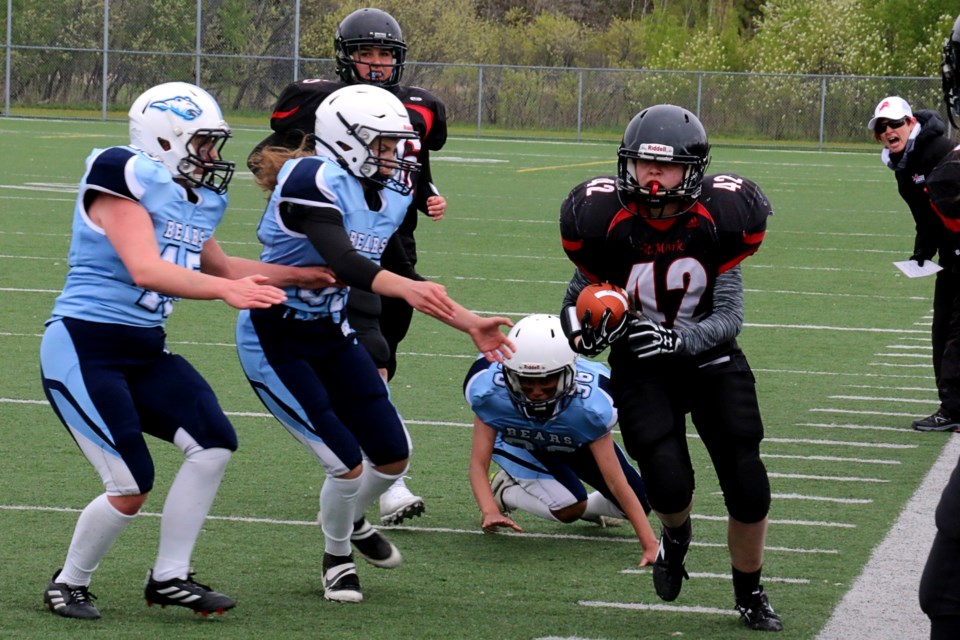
point(660, 224)
point(592, 278)
point(700, 210)
point(572, 245)
point(754, 238)
point(427, 116)
point(622, 215)
point(952, 224)
point(285, 114)
point(737, 260)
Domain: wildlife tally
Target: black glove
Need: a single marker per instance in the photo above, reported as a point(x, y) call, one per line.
point(648, 338)
point(920, 257)
point(593, 341)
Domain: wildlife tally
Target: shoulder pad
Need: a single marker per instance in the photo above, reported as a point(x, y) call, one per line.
point(589, 208)
point(108, 173)
point(735, 203)
point(297, 106)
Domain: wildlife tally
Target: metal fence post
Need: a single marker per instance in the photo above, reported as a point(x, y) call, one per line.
point(579, 103)
point(6, 84)
point(699, 92)
point(106, 64)
point(296, 41)
point(196, 46)
point(823, 109)
point(479, 100)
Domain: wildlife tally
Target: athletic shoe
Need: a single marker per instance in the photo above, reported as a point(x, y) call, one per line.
point(373, 546)
point(398, 504)
point(186, 593)
point(340, 581)
point(757, 613)
point(69, 602)
point(938, 421)
point(668, 570)
point(605, 522)
point(500, 482)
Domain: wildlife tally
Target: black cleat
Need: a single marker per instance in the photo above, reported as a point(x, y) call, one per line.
point(668, 570)
point(340, 581)
point(69, 602)
point(938, 421)
point(186, 593)
point(373, 546)
point(757, 613)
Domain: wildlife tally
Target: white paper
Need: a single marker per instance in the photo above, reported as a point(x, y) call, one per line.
point(911, 269)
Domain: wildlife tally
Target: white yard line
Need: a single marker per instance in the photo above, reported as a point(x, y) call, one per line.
point(876, 607)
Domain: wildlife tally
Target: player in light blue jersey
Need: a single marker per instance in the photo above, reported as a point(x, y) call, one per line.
point(143, 230)
point(338, 206)
point(546, 418)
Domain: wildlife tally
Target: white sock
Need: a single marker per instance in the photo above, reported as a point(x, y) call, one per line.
point(516, 498)
point(599, 505)
point(373, 483)
point(338, 501)
point(186, 509)
point(97, 528)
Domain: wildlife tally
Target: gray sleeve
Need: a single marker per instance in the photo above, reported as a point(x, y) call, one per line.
point(726, 320)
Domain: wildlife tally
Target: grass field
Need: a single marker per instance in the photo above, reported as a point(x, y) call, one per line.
point(838, 339)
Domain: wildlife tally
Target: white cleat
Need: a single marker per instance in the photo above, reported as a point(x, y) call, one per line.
point(398, 504)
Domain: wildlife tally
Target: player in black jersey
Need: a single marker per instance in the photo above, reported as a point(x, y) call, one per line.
point(370, 49)
point(940, 583)
point(674, 239)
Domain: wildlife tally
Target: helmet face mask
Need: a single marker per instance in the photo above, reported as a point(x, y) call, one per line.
point(662, 133)
point(543, 356)
point(181, 125)
point(367, 28)
point(950, 73)
point(350, 123)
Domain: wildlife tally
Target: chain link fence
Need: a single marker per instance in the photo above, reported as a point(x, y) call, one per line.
point(91, 58)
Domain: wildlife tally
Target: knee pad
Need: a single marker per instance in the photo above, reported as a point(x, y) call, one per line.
point(746, 488)
point(667, 475)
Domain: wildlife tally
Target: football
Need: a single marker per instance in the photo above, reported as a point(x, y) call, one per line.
point(597, 298)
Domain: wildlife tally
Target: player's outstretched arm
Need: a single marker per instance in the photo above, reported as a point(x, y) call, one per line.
point(431, 298)
point(481, 452)
point(606, 457)
point(216, 262)
point(129, 228)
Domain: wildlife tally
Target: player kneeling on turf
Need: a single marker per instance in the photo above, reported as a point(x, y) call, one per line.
point(546, 418)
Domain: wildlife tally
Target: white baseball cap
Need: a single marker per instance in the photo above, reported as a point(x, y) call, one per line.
point(891, 108)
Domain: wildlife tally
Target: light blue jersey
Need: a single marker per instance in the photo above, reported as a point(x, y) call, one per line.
point(589, 415)
point(98, 286)
point(320, 182)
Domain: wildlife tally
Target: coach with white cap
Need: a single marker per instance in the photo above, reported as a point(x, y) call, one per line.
point(912, 146)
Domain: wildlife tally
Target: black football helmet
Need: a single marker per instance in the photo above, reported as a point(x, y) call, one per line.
point(369, 28)
point(663, 133)
point(950, 72)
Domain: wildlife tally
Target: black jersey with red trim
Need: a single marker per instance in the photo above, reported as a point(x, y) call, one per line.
point(295, 111)
point(668, 266)
point(943, 187)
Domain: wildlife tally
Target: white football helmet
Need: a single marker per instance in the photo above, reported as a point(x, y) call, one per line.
point(169, 122)
point(541, 351)
point(347, 123)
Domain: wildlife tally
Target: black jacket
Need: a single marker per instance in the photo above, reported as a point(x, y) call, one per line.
point(912, 167)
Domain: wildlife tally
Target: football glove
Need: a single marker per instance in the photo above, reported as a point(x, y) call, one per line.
point(594, 340)
point(648, 338)
point(920, 258)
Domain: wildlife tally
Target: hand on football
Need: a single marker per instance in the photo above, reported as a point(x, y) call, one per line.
point(647, 338)
point(593, 340)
